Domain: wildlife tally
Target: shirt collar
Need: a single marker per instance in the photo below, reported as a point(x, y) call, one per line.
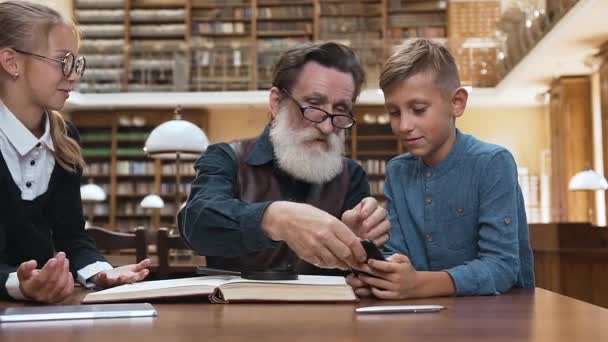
point(19, 136)
point(262, 152)
point(451, 159)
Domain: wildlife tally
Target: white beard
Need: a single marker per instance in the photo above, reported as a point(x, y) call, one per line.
point(315, 164)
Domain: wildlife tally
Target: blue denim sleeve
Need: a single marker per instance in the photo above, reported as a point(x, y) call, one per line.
point(214, 221)
point(496, 268)
point(397, 242)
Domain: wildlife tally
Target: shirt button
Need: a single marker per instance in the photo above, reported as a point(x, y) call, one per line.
point(428, 200)
point(428, 174)
point(459, 210)
point(38, 144)
point(28, 184)
point(507, 220)
point(33, 162)
point(429, 238)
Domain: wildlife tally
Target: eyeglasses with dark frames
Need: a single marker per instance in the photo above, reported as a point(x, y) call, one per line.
point(314, 114)
point(69, 63)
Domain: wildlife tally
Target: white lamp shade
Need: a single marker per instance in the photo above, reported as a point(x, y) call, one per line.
point(92, 193)
point(152, 201)
point(176, 136)
point(587, 180)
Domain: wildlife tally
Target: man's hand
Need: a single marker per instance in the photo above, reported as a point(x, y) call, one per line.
point(123, 275)
point(314, 235)
point(368, 221)
point(51, 284)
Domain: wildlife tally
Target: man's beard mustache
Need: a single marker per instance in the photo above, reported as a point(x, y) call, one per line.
point(296, 156)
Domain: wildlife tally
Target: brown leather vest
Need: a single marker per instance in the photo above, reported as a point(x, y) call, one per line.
point(258, 183)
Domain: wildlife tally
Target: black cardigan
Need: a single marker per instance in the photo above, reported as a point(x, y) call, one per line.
point(51, 222)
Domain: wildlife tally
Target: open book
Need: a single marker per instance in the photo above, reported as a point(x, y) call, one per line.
point(224, 289)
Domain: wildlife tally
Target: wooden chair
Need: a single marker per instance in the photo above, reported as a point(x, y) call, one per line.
point(164, 243)
point(108, 241)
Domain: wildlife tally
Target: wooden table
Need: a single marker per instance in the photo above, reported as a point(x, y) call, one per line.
point(522, 315)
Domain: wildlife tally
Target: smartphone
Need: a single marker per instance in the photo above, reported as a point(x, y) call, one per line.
point(373, 252)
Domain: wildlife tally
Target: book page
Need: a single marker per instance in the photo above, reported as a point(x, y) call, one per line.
point(213, 282)
point(302, 280)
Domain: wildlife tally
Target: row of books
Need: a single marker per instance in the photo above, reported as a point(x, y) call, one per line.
point(354, 24)
point(219, 27)
point(184, 169)
point(96, 169)
point(233, 57)
point(418, 19)
point(373, 166)
point(376, 187)
point(169, 189)
point(222, 13)
point(285, 26)
point(135, 188)
point(416, 5)
point(354, 9)
point(287, 11)
point(416, 32)
point(100, 4)
point(130, 167)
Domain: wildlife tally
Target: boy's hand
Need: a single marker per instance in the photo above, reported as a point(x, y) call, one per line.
point(361, 288)
point(395, 278)
point(368, 220)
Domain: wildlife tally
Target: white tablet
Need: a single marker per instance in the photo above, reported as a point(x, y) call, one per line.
point(61, 312)
point(400, 308)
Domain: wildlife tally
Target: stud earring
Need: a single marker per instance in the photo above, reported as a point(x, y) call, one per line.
point(16, 76)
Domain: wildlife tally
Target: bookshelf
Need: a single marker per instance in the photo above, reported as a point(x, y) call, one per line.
point(112, 145)
point(372, 144)
point(213, 45)
point(279, 25)
point(104, 42)
point(222, 56)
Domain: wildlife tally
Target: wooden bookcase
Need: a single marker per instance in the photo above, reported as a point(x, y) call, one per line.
point(372, 144)
point(112, 145)
point(603, 71)
point(215, 45)
point(570, 121)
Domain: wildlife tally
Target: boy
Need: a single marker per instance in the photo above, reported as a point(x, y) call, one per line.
point(458, 224)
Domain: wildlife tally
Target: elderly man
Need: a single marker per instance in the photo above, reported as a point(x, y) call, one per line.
point(288, 199)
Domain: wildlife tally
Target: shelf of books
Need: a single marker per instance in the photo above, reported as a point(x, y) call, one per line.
point(112, 145)
point(215, 45)
point(408, 19)
point(280, 25)
point(357, 24)
point(222, 55)
point(372, 144)
point(104, 42)
point(159, 46)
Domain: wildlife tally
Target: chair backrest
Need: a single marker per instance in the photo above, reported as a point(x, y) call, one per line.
point(108, 240)
point(165, 242)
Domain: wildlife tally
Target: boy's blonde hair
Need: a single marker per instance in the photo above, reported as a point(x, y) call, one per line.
point(26, 26)
point(420, 55)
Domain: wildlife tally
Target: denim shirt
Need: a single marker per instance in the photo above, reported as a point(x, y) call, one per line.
point(465, 216)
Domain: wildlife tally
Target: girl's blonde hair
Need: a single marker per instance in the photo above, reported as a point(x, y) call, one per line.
point(24, 27)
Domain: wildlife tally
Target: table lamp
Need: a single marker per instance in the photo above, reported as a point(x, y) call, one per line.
point(90, 194)
point(177, 140)
point(587, 180)
point(155, 203)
